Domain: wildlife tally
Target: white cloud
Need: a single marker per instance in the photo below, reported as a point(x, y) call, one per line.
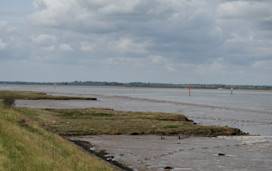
point(162, 62)
point(119, 7)
point(86, 46)
point(3, 24)
point(157, 59)
point(245, 9)
point(65, 47)
point(132, 63)
point(44, 39)
point(49, 48)
point(170, 68)
point(3, 45)
point(53, 12)
point(217, 66)
point(6, 28)
point(264, 64)
point(128, 45)
point(39, 4)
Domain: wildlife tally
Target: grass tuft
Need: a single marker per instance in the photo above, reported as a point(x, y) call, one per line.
point(8, 99)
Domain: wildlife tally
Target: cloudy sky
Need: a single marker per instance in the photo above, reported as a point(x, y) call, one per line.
point(166, 41)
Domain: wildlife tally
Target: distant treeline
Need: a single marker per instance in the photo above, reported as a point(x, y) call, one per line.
point(141, 84)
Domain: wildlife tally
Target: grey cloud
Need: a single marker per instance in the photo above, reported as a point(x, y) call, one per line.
point(163, 37)
point(196, 29)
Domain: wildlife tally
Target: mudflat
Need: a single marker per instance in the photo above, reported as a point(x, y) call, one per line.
point(151, 152)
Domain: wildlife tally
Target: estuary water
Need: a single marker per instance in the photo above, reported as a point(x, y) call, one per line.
point(249, 110)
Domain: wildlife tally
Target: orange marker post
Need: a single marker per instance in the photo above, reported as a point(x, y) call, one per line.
point(189, 91)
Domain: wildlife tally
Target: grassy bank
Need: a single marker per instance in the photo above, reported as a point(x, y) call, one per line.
point(95, 121)
point(24, 145)
point(29, 95)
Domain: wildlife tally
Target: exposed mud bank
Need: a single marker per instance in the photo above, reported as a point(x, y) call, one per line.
point(149, 152)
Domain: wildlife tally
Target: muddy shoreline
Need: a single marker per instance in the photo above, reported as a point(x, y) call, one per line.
point(149, 152)
point(87, 146)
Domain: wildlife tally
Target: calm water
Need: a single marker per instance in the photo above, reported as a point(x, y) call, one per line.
point(249, 110)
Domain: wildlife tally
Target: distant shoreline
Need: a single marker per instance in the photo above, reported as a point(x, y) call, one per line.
point(144, 85)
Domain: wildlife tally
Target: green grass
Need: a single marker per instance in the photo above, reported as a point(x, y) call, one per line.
point(93, 121)
point(29, 95)
point(25, 145)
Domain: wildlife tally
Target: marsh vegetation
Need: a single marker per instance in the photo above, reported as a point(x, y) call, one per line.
point(29, 95)
point(100, 121)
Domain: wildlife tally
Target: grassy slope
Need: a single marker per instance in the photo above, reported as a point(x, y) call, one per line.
point(106, 121)
point(24, 145)
point(29, 95)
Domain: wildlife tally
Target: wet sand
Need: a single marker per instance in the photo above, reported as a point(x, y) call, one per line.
point(188, 153)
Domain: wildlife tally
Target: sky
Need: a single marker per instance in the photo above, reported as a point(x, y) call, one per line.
point(158, 41)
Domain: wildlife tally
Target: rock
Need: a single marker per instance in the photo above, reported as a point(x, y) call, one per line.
point(180, 137)
point(221, 154)
point(168, 167)
point(134, 133)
